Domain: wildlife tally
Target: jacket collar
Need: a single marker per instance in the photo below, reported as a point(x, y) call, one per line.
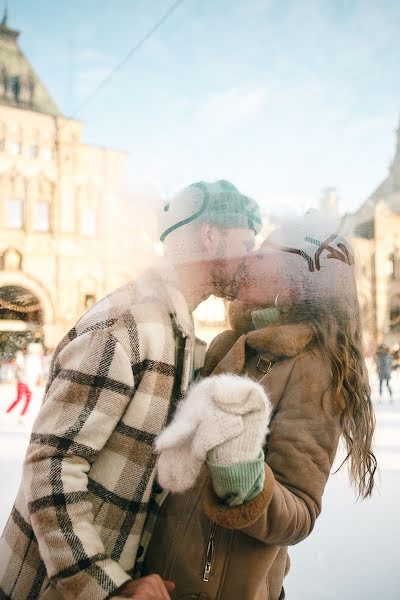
point(280, 340)
point(228, 352)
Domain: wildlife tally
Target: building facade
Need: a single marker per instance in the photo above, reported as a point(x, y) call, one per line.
point(59, 207)
point(375, 230)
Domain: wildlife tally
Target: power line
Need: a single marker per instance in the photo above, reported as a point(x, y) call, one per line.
point(137, 47)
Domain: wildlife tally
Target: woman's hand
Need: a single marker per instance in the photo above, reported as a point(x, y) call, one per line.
point(151, 587)
point(216, 410)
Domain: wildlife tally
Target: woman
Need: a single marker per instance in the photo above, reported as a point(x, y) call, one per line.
point(24, 392)
point(308, 358)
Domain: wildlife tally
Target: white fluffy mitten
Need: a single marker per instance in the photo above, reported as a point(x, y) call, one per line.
point(225, 414)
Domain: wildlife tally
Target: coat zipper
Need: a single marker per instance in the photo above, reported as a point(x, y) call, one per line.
point(211, 539)
point(209, 553)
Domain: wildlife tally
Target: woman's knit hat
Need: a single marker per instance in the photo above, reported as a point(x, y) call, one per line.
point(219, 202)
point(312, 262)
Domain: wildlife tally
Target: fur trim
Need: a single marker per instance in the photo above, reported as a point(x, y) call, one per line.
point(233, 361)
point(219, 347)
point(238, 517)
point(227, 353)
point(281, 340)
point(239, 316)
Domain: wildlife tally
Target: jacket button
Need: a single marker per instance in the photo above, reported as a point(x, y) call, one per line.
point(140, 551)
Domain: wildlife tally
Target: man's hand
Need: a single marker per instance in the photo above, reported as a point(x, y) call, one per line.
point(151, 587)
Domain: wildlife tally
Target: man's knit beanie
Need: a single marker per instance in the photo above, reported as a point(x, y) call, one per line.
point(218, 202)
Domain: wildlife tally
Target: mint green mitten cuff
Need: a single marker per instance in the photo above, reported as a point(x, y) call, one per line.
point(238, 483)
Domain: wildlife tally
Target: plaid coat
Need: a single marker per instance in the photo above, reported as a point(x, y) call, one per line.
point(88, 500)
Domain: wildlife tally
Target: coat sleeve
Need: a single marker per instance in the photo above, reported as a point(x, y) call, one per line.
point(301, 447)
point(91, 387)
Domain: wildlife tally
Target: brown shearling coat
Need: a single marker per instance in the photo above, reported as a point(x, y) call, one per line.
point(249, 543)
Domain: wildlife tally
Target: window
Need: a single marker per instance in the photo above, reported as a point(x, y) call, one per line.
point(89, 300)
point(4, 81)
point(395, 313)
point(16, 87)
point(15, 213)
point(48, 153)
point(33, 151)
point(31, 88)
point(88, 223)
point(395, 265)
point(41, 220)
point(15, 148)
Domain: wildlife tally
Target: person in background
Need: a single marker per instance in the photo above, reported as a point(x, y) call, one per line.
point(384, 362)
point(24, 393)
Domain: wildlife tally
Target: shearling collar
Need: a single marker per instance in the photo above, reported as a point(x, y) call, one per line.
point(227, 353)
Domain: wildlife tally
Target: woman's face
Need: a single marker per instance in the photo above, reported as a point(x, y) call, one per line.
point(314, 268)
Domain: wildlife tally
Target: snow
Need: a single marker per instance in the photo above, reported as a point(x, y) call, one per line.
point(352, 552)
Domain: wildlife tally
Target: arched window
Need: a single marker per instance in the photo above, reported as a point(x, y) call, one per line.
point(23, 90)
point(34, 144)
point(395, 313)
point(16, 87)
point(15, 213)
point(15, 206)
point(395, 265)
point(31, 89)
point(42, 206)
point(11, 259)
point(4, 81)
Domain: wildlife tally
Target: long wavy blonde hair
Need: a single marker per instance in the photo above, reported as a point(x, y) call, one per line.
point(337, 331)
point(330, 304)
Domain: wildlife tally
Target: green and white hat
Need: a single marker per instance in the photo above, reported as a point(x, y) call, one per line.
point(219, 202)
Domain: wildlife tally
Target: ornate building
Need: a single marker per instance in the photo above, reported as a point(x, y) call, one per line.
point(59, 205)
point(376, 237)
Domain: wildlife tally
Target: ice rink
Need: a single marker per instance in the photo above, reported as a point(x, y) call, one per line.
point(353, 552)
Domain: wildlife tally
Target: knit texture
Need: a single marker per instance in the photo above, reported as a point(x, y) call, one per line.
point(265, 316)
point(227, 415)
point(219, 202)
point(238, 483)
point(245, 446)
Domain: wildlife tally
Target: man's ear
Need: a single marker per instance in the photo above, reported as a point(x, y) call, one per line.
point(209, 236)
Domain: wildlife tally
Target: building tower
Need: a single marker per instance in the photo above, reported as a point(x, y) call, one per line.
point(376, 237)
point(58, 204)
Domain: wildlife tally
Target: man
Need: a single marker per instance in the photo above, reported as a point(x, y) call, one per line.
point(84, 514)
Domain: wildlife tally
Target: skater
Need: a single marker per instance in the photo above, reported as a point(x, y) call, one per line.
point(384, 362)
point(24, 393)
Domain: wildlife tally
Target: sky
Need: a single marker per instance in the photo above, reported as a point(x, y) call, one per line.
point(282, 97)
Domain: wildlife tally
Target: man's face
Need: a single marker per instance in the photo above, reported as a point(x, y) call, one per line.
point(238, 242)
point(233, 246)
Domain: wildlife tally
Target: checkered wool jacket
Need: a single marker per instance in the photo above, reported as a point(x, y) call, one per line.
point(84, 513)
